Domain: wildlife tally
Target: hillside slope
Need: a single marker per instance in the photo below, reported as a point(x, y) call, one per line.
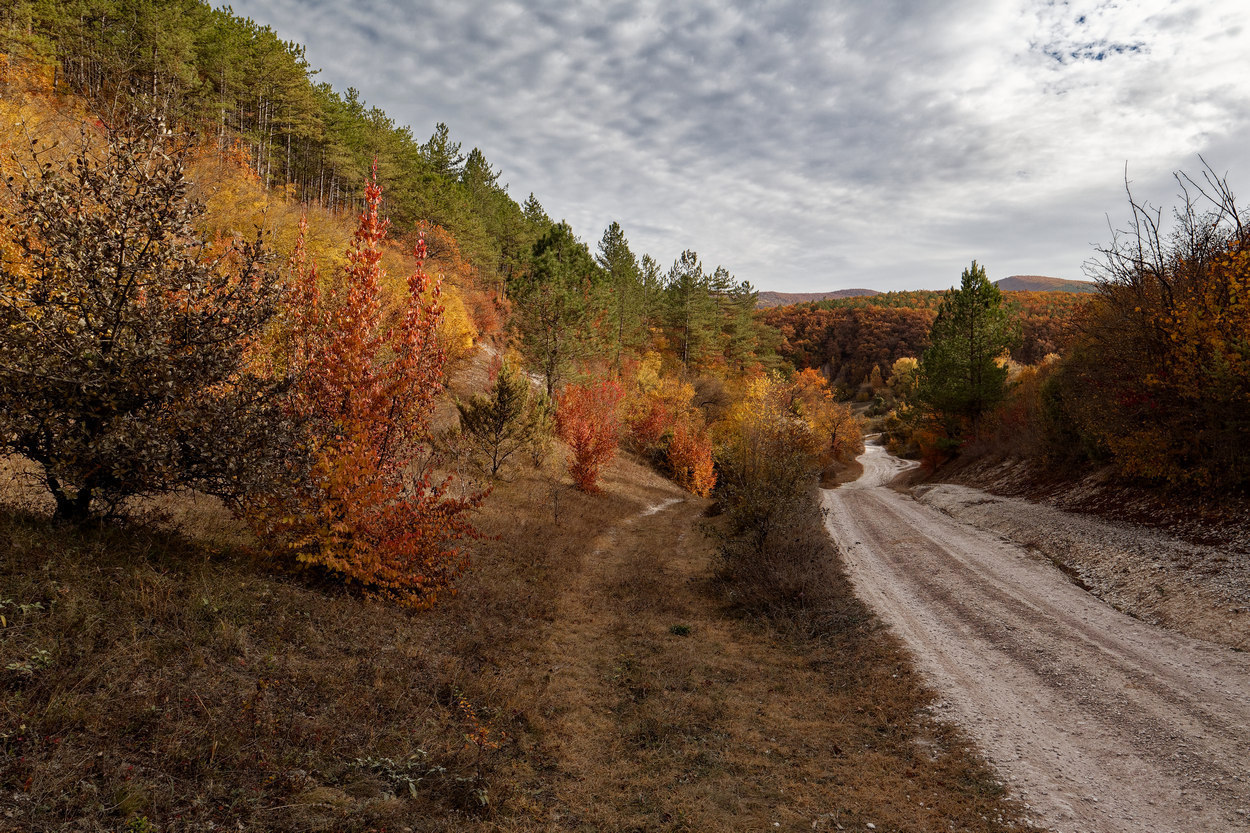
point(1041, 283)
point(767, 300)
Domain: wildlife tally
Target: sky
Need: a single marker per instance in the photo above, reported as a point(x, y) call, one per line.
point(811, 146)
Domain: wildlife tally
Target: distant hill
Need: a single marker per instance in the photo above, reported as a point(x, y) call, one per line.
point(781, 299)
point(1041, 283)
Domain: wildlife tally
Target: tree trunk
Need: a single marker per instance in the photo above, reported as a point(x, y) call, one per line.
point(76, 509)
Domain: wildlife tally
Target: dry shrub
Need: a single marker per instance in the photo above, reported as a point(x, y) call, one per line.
point(794, 580)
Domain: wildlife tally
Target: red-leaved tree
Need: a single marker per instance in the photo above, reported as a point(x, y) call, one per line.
point(371, 513)
point(588, 419)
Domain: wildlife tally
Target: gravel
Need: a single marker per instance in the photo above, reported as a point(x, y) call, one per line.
point(1200, 590)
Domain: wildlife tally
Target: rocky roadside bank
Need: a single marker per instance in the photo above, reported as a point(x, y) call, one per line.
point(1199, 589)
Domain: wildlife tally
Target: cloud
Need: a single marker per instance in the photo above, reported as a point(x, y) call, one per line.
point(810, 146)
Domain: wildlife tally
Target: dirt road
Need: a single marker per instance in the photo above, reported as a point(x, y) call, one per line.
point(1099, 721)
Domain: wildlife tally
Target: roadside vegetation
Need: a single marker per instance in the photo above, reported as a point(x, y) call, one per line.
point(1154, 383)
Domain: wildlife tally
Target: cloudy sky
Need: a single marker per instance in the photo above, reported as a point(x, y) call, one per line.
point(809, 146)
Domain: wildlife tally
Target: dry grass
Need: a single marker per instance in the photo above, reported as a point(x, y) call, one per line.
point(188, 685)
point(593, 674)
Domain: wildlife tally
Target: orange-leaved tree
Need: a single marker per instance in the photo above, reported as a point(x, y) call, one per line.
point(662, 422)
point(690, 455)
point(588, 419)
point(838, 430)
point(371, 513)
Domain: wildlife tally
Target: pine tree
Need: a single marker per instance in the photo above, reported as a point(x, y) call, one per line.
point(558, 305)
point(625, 299)
point(442, 154)
point(691, 309)
point(505, 422)
point(960, 377)
point(741, 333)
point(533, 211)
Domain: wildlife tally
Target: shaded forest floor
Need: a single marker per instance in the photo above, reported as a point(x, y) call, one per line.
point(592, 674)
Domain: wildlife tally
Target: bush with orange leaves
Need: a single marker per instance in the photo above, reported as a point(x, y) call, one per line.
point(371, 513)
point(690, 456)
point(662, 423)
point(588, 419)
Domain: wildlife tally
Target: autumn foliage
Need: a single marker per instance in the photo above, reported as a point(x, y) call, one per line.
point(768, 458)
point(588, 419)
point(851, 336)
point(662, 423)
point(126, 334)
point(371, 512)
point(1159, 382)
point(690, 456)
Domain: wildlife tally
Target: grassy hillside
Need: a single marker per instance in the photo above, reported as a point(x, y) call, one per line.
point(592, 674)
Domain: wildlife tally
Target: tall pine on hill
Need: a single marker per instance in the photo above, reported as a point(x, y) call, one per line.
point(959, 375)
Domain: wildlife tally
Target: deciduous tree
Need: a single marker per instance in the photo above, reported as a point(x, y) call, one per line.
point(372, 512)
point(690, 455)
point(588, 419)
point(125, 335)
point(1159, 379)
point(767, 457)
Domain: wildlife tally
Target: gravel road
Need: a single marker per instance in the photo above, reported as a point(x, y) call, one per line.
point(1099, 722)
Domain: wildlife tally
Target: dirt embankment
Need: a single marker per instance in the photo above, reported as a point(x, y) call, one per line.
point(1100, 721)
point(1201, 590)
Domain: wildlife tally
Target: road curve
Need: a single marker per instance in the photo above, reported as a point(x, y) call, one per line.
point(1099, 721)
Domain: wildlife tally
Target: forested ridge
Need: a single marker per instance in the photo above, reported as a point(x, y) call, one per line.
point(238, 82)
point(851, 336)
